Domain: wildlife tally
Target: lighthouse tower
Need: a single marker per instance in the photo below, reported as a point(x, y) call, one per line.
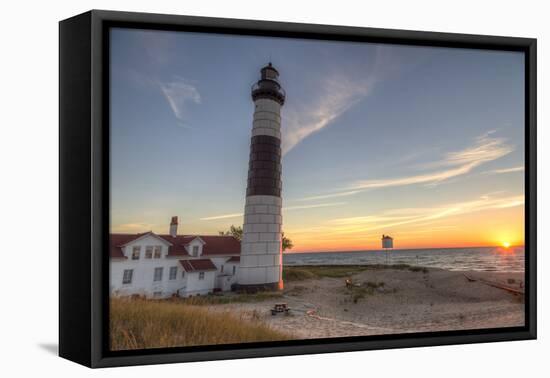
point(261, 253)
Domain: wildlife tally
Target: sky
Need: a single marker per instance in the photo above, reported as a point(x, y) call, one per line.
point(424, 144)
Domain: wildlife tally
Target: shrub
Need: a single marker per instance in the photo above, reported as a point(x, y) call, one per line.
point(374, 285)
point(297, 274)
point(419, 269)
point(301, 273)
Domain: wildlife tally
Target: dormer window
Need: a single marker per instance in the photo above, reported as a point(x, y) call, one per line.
point(194, 247)
point(158, 250)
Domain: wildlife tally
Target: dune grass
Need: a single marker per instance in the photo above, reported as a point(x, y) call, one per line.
point(302, 273)
point(364, 289)
point(293, 273)
point(144, 324)
point(225, 298)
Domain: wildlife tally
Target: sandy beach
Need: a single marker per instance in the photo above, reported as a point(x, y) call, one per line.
point(388, 300)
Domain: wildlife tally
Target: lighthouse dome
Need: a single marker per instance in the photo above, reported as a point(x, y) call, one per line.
point(269, 72)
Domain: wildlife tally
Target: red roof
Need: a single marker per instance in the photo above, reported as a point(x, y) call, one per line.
point(234, 259)
point(214, 245)
point(199, 265)
point(118, 240)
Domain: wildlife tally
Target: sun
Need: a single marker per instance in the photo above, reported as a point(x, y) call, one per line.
point(506, 244)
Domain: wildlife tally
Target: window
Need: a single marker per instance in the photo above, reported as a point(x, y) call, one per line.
point(158, 249)
point(135, 252)
point(221, 269)
point(234, 269)
point(149, 252)
point(127, 276)
point(173, 273)
point(195, 250)
point(157, 294)
point(183, 274)
point(158, 274)
point(201, 275)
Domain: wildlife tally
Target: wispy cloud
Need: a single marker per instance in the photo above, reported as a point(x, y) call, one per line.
point(371, 223)
point(300, 207)
point(223, 216)
point(288, 208)
point(484, 149)
point(337, 93)
point(132, 227)
point(180, 93)
point(409, 216)
point(398, 217)
point(427, 230)
point(506, 170)
point(330, 195)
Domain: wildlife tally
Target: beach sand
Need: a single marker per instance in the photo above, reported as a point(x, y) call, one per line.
point(390, 301)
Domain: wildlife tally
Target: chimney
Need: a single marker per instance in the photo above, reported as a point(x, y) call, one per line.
point(174, 227)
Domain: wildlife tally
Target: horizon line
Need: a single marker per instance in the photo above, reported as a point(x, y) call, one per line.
point(406, 249)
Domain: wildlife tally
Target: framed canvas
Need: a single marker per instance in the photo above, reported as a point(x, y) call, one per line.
point(234, 188)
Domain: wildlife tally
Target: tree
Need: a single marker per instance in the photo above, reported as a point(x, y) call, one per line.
point(237, 233)
point(287, 243)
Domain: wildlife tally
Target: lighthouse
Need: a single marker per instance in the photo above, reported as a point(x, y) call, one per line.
point(261, 253)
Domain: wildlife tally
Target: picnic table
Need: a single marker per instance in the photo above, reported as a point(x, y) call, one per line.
point(280, 308)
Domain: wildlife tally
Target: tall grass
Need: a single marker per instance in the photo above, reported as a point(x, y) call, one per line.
point(142, 324)
point(225, 298)
point(307, 272)
point(301, 273)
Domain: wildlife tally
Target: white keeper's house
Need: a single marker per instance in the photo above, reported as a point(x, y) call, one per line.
point(161, 266)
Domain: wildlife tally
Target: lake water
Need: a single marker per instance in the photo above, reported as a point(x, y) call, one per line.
point(482, 259)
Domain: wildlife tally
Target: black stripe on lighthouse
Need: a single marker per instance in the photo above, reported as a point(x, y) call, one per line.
point(264, 171)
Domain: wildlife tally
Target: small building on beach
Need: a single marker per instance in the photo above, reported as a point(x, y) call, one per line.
point(387, 242)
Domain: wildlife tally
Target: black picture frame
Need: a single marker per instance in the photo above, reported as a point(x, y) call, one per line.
point(84, 187)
